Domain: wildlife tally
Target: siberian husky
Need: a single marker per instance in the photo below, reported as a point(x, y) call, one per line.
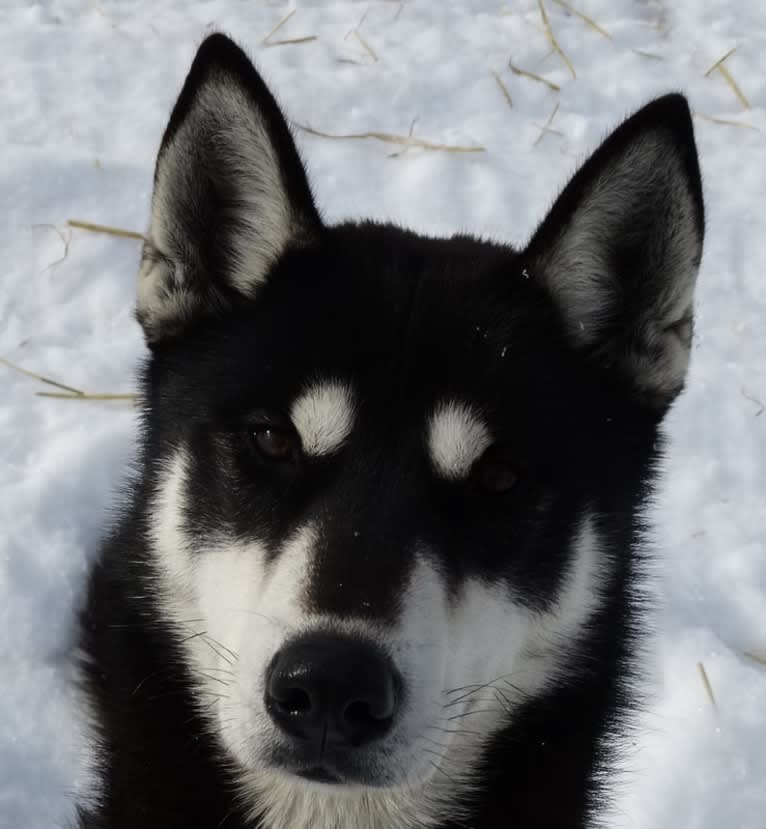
point(379, 566)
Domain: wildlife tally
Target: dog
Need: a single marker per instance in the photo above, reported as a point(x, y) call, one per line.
point(381, 562)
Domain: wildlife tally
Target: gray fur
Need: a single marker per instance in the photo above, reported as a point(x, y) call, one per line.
point(623, 268)
point(221, 153)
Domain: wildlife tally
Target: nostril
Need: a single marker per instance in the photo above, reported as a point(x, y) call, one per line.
point(367, 719)
point(293, 701)
point(359, 713)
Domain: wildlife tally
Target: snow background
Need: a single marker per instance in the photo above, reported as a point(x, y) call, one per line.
point(85, 92)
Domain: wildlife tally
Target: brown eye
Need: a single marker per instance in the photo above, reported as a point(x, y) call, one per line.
point(274, 444)
point(496, 475)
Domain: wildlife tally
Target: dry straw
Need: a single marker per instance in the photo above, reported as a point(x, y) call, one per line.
point(69, 389)
point(720, 66)
point(406, 141)
point(552, 38)
point(65, 240)
point(267, 41)
point(355, 32)
point(503, 88)
point(85, 395)
point(746, 394)
point(706, 683)
point(365, 45)
point(726, 122)
point(546, 128)
point(69, 392)
point(525, 73)
point(112, 231)
point(761, 660)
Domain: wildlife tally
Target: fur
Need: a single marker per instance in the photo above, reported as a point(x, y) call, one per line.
point(457, 438)
point(335, 445)
point(323, 416)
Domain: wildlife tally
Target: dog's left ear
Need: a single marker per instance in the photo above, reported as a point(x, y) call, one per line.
point(230, 194)
point(620, 250)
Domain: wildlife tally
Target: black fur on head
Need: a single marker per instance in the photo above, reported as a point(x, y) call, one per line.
point(618, 252)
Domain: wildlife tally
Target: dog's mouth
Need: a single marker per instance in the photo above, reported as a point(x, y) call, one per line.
point(320, 774)
point(331, 767)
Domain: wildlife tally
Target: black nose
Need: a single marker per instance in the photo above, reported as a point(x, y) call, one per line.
point(332, 689)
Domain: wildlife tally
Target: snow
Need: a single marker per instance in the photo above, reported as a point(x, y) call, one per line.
point(85, 92)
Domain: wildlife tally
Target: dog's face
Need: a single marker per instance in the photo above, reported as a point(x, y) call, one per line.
point(391, 474)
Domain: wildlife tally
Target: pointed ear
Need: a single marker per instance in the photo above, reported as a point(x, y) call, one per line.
point(620, 250)
point(230, 194)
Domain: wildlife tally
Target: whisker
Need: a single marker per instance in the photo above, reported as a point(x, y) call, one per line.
point(469, 694)
point(479, 685)
point(515, 688)
point(218, 653)
point(467, 731)
point(445, 746)
point(231, 653)
point(503, 701)
point(472, 685)
point(209, 640)
point(469, 699)
point(146, 679)
point(192, 636)
point(225, 818)
point(202, 710)
point(273, 619)
point(449, 777)
point(215, 678)
point(470, 713)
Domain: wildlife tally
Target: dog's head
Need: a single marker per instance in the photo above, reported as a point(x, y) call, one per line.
point(395, 478)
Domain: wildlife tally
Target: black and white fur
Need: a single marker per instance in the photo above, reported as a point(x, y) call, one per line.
point(471, 432)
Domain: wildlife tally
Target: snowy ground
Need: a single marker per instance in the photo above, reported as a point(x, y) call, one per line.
point(85, 90)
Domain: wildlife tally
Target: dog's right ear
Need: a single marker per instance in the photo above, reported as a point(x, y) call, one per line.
point(620, 250)
point(230, 194)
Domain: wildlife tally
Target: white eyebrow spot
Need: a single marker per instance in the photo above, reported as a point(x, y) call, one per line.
point(323, 416)
point(457, 438)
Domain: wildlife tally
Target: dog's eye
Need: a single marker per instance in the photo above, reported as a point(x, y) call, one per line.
point(496, 475)
point(274, 444)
